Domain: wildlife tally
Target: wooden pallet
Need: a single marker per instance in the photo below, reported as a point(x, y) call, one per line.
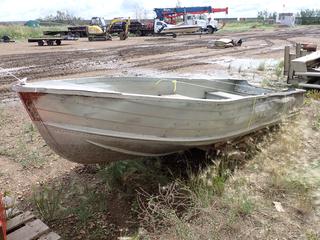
point(25, 226)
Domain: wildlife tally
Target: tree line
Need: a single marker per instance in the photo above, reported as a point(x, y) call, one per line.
point(63, 17)
point(305, 16)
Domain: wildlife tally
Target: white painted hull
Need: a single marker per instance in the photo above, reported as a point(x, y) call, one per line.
point(92, 124)
point(181, 29)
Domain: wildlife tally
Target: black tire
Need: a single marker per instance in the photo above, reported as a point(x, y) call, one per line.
point(6, 38)
point(211, 29)
point(123, 36)
point(50, 43)
point(174, 35)
point(58, 42)
point(40, 43)
point(90, 39)
point(138, 33)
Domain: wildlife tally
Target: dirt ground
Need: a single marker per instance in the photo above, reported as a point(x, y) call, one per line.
point(27, 163)
point(163, 56)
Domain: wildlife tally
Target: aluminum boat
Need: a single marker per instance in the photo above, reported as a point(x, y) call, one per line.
point(104, 119)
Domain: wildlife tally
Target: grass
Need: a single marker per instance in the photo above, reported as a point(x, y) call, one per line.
point(246, 26)
point(313, 94)
point(19, 32)
point(52, 204)
point(281, 185)
point(122, 174)
point(310, 235)
point(279, 69)
point(22, 153)
point(241, 204)
point(47, 201)
point(229, 193)
point(316, 122)
point(174, 206)
point(219, 204)
point(22, 141)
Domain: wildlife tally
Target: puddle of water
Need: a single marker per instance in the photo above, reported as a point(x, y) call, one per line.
point(4, 71)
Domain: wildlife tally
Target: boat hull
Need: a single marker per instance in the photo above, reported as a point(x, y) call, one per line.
point(88, 129)
point(178, 29)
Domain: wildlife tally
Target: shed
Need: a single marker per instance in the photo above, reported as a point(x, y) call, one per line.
point(32, 23)
point(287, 19)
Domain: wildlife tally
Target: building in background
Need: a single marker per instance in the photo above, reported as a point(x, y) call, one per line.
point(287, 19)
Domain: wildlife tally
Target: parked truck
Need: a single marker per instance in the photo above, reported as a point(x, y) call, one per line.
point(192, 16)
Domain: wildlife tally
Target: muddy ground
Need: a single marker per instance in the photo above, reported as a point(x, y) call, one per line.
point(27, 163)
point(165, 56)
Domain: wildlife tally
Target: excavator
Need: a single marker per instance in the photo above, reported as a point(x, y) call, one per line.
point(99, 31)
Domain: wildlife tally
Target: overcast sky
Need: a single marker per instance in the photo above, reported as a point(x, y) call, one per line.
point(12, 10)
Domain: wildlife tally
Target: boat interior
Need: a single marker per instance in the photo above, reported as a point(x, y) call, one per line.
point(166, 87)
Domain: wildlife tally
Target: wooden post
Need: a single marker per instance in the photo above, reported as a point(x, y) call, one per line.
point(304, 53)
point(286, 61)
point(298, 50)
point(290, 69)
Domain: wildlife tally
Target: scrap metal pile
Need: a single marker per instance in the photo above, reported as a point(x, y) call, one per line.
point(224, 43)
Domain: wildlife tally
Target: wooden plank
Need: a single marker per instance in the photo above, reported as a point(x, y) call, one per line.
point(19, 220)
point(12, 212)
point(32, 230)
point(50, 236)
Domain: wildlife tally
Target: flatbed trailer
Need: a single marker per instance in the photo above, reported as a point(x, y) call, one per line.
point(139, 28)
point(50, 41)
point(80, 31)
point(76, 31)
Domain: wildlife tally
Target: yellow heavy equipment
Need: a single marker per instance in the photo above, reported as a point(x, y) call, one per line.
point(99, 31)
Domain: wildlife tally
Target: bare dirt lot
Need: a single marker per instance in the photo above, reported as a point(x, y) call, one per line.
point(281, 165)
point(165, 56)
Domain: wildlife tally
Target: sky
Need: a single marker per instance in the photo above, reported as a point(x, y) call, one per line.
point(18, 10)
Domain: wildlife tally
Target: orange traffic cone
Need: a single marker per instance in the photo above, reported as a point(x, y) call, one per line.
point(2, 220)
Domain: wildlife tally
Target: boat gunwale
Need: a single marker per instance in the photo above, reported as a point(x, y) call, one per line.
point(114, 94)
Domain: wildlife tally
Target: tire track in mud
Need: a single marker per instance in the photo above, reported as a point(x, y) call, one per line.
point(277, 35)
point(185, 61)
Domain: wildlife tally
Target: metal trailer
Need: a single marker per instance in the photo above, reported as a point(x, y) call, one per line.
point(139, 28)
point(80, 31)
point(303, 66)
point(76, 31)
point(50, 41)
